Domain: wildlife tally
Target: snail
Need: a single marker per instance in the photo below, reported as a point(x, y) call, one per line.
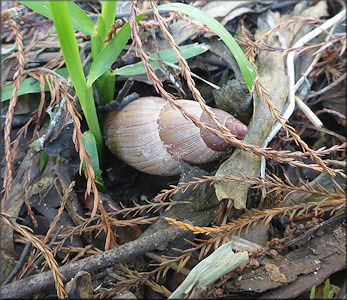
point(151, 135)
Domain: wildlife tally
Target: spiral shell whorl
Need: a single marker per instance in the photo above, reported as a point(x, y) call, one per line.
point(152, 136)
point(132, 135)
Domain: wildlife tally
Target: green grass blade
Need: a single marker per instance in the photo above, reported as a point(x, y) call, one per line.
point(248, 72)
point(43, 159)
point(108, 55)
point(28, 86)
point(89, 144)
point(105, 84)
point(326, 289)
point(332, 292)
point(313, 293)
point(97, 43)
point(70, 51)
point(79, 19)
point(108, 12)
point(167, 55)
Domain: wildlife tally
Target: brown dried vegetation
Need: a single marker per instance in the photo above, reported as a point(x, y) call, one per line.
point(108, 219)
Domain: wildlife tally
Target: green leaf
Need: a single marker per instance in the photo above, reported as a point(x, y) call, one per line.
point(332, 292)
point(73, 63)
point(326, 289)
point(248, 72)
point(108, 55)
point(28, 86)
point(43, 160)
point(89, 144)
point(79, 19)
point(313, 293)
point(41, 7)
point(108, 12)
point(167, 55)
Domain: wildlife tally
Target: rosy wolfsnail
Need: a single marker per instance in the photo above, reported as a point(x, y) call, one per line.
point(152, 136)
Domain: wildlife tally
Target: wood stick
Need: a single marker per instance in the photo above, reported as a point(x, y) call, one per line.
point(93, 264)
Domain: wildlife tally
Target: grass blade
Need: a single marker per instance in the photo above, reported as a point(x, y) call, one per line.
point(108, 55)
point(70, 51)
point(28, 86)
point(108, 12)
point(167, 55)
point(313, 293)
point(89, 144)
point(106, 82)
point(248, 72)
point(79, 19)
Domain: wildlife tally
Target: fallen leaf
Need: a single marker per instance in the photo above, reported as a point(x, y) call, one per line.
point(275, 273)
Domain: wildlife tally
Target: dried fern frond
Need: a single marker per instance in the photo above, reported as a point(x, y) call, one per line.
point(150, 207)
point(88, 169)
point(9, 152)
point(46, 251)
point(273, 183)
point(263, 216)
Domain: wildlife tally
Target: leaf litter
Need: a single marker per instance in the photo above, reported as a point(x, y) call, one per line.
point(50, 208)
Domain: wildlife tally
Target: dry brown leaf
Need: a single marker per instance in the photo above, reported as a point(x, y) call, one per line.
point(275, 273)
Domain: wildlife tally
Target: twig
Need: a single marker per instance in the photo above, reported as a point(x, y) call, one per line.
point(308, 112)
point(19, 263)
point(328, 87)
point(93, 264)
point(305, 109)
point(125, 89)
point(185, 271)
point(28, 71)
point(39, 144)
point(115, 105)
point(40, 259)
point(314, 61)
point(325, 130)
point(291, 73)
point(57, 277)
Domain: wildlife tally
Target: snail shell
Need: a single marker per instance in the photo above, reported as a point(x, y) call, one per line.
point(152, 136)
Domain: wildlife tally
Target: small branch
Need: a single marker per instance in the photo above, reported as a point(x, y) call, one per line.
point(291, 72)
point(93, 264)
point(328, 87)
point(308, 113)
point(287, 112)
point(19, 263)
point(46, 71)
point(116, 105)
point(39, 144)
point(125, 89)
point(185, 271)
